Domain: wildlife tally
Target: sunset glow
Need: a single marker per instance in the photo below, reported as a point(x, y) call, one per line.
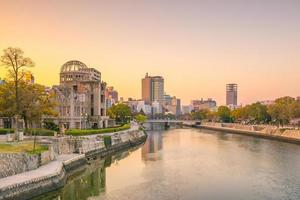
point(197, 47)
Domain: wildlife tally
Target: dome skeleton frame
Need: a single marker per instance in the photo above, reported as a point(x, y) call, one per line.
point(73, 66)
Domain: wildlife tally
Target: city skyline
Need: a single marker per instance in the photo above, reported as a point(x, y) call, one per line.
point(252, 44)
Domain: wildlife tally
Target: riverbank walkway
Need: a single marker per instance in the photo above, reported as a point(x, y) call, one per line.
point(267, 132)
point(53, 168)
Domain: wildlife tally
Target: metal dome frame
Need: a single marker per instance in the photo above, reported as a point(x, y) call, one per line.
point(73, 66)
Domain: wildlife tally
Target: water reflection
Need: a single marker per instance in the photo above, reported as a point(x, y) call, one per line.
point(155, 126)
point(153, 145)
point(191, 164)
point(89, 182)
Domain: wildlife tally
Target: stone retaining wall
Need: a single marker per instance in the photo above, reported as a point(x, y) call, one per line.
point(63, 145)
point(15, 163)
point(34, 187)
point(55, 180)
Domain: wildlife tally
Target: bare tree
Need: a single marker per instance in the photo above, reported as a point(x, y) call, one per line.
point(13, 59)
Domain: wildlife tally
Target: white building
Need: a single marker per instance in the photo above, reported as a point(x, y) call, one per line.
point(187, 109)
point(141, 106)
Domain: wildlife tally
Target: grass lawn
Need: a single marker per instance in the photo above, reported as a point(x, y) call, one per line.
point(21, 147)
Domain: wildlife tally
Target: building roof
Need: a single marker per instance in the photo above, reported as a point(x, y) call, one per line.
point(73, 66)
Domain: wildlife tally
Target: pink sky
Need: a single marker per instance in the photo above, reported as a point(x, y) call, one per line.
point(198, 46)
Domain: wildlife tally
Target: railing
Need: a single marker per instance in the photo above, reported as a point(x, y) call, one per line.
point(171, 121)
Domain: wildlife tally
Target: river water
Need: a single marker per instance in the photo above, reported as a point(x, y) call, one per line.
point(191, 164)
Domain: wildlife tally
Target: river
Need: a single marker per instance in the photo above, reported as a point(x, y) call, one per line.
point(191, 164)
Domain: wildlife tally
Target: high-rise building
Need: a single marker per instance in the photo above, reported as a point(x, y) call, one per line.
point(152, 88)
point(81, 96)
point(167, 100)
point(231, 95)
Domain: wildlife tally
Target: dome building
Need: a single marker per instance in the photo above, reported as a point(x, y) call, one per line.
point(81, 97)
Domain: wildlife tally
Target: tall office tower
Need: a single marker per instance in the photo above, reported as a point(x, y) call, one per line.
point(231, 95)
point(152, 88)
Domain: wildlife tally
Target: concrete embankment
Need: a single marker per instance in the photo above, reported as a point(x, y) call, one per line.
point(53, 175)
point(285, 136)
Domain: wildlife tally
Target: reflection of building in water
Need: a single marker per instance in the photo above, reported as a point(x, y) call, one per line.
point(154, 126)
point(90, 183)
point(150, 150)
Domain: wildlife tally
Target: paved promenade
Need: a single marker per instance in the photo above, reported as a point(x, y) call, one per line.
point(290, 136)
point(51, 169)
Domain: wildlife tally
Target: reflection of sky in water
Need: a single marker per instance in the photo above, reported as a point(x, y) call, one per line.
point(192, 164)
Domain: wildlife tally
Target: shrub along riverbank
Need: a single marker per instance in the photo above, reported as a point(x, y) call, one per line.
point(4, 131)
point(78, 132)
point(36, 131)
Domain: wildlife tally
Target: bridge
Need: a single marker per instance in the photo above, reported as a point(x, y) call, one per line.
point(176, 121)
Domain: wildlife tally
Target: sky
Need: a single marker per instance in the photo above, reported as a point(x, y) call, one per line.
point(196, 45)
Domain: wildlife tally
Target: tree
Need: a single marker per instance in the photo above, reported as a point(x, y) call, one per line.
point(35, 102)
point(237, 114)
point(295, 109)
point(201, 114)
point(120, 112)
point(258, 112)
point(7, 100)
point(281, 111)
point(14, 60)
point(224, 114)
point(140, 118)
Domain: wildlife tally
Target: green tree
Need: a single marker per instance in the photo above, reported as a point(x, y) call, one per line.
point(224, 114)
point(258, 112)
point(281, 111)
point(120, 112)
point(35, 102)
point(237, 114)
point(140, 118)
point(7, 100)
point(201, 114)
point(295, 109)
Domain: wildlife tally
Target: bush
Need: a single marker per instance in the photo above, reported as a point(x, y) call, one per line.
point(78, 132)
point(39, 132)
point(107, 141)
point(50, 125)
point(4, 131)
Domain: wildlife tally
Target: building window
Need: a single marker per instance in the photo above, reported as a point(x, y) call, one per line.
point(92, 111)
